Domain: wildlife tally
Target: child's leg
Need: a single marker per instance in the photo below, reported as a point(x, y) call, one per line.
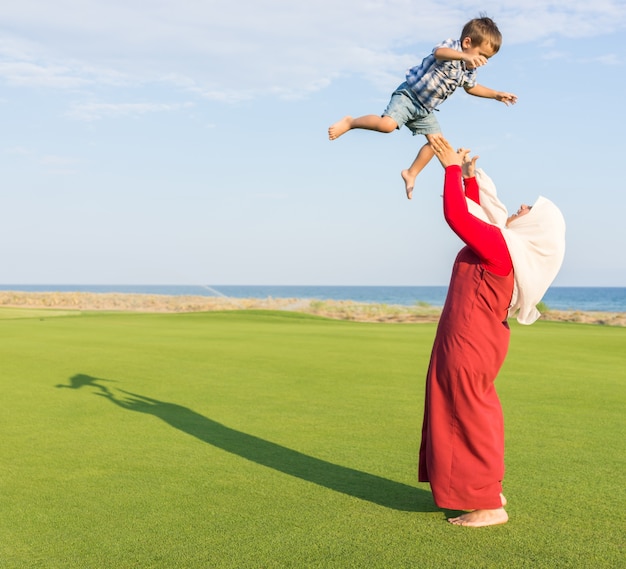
point(367, 122)
point(424, 156)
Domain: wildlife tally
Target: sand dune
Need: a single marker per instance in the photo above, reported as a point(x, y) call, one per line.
point(338, 309)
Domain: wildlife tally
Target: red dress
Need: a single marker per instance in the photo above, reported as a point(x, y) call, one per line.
point(462, 449)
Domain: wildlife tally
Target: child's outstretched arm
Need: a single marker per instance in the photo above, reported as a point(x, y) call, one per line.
point(450, 54)
point(487, 93)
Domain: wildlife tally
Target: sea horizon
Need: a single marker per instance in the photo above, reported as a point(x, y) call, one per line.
point(583, 298)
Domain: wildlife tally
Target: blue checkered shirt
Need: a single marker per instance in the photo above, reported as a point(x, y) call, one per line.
point(432, 82)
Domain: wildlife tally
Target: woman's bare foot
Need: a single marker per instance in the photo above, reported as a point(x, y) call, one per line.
point(481, 518)
point(339, 128)
point(409, 182)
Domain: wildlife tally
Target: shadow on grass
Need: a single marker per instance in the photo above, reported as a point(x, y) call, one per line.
point(348, 481)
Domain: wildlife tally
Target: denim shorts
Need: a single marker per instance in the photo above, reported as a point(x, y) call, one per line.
point(403, 109)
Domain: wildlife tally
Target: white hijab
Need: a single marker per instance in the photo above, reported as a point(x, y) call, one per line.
point(536, 243)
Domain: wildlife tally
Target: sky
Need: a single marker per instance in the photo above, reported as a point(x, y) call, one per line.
point(185, 142)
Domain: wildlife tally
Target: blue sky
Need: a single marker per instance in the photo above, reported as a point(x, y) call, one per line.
point(186, 142)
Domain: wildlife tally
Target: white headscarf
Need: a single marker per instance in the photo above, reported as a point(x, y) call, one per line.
point(536, 243)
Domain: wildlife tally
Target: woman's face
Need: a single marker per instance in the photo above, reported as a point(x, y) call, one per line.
point(523, 210)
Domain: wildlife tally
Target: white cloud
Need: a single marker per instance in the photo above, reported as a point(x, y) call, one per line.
point(96, 111)
point(225, 51)
point(608, 59)
point(52, 160)
point(26, 74)
point(50, 163)
point(59, 165)
point(18, 151)
point(552, 55)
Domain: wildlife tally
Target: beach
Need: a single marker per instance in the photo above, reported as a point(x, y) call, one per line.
point(337, 309)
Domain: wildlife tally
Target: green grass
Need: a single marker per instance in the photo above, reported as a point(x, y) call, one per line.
point(13, 313)
point(271, 440)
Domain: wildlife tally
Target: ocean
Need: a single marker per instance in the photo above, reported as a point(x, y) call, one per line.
point(600, 299)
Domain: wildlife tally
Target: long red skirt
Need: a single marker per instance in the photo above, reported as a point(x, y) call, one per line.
point(462, 449)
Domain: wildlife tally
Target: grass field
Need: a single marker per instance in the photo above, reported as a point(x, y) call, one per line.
point(270, 440)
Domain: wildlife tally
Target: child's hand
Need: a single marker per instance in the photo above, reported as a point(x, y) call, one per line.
point(506, 98)
point(474, 61)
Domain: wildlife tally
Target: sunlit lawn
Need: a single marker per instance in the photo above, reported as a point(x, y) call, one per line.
point(265, 439)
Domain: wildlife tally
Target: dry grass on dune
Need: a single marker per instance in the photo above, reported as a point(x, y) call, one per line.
point(337, 309)
point(341, 310)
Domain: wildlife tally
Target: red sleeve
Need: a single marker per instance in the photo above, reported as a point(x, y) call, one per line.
point(472, 190)
point(484, 239)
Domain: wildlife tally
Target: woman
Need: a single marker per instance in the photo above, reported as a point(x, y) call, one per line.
point(506, 267)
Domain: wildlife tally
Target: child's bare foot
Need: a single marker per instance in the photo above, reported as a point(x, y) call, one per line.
point(409, 182)
point(481, 518)
point(339, 128)
point(503, 499)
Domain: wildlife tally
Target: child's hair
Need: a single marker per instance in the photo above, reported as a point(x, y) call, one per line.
point(483, 29)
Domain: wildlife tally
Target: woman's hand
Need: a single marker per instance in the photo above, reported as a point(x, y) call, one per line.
point(469, 164)
point(445, 153)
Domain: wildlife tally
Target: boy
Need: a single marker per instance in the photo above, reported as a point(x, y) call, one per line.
point(452, 63)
